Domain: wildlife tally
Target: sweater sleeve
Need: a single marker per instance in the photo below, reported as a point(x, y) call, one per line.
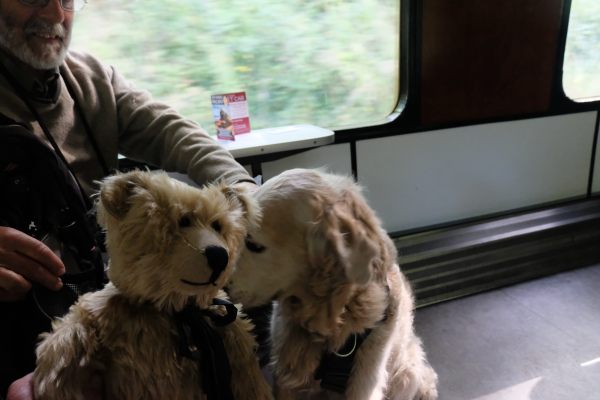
point(154, 133)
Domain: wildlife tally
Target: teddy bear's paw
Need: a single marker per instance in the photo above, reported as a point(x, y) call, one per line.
point(263, 392)
point(282, 393)
point(257, 389)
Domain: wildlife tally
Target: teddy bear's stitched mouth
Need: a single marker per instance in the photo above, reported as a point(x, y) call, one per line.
point(196, 283)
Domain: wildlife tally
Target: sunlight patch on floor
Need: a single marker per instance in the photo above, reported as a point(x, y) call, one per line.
point(520, 391)
point(591, 362)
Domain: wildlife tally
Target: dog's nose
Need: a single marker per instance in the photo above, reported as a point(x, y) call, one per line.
point(217, 258)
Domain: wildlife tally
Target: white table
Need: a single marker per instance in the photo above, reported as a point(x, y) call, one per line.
point(271, 140)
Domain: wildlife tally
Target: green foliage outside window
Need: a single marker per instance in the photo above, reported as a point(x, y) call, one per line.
point(581, 70)
point(331, 63)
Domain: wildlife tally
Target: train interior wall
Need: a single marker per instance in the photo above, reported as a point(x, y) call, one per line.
point(422, 179)
point(596, 172)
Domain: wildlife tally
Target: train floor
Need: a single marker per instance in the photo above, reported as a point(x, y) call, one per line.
point(538, 340)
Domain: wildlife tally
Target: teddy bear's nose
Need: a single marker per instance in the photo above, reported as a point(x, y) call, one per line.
point(217, 258)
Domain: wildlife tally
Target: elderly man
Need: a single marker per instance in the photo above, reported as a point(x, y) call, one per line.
point(89, 114)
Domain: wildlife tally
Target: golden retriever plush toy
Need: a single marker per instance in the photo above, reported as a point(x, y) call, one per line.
point(161, 329)
point(342, 323)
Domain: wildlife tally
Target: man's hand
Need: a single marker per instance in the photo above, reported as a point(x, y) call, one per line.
point(248, 187)
point(21, 389)
point(23, 260)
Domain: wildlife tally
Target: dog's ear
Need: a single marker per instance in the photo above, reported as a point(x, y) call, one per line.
point(242, 194)
point(341, 236)
point(342, 253)
point(116, 190)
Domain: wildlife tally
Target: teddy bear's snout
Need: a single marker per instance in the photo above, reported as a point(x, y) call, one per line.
point(217, 258)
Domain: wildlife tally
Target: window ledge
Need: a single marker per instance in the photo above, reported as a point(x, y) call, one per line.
point(273, 140)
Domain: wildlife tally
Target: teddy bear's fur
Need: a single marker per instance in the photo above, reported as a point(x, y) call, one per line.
point(165, 241)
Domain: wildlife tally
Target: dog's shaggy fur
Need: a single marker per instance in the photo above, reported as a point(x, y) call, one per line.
point(322, 254)
point(158, 232)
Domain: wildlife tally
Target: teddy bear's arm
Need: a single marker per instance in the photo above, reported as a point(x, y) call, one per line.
point(247, 380)
point(65, 363)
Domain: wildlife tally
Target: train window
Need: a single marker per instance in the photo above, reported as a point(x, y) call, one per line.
point(327, 62)
point(581, 70)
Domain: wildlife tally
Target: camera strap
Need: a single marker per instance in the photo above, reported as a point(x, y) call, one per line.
point(20, 91)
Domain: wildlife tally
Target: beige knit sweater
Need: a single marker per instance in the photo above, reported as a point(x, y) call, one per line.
point(123, 120)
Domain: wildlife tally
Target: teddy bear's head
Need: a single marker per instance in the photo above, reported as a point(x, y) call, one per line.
point(168, 241)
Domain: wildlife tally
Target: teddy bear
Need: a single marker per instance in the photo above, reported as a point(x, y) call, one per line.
point(162, 327)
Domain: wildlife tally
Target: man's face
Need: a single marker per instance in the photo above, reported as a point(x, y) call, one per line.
point(38, 36)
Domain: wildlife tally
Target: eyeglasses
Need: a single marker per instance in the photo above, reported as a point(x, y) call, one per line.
point(67, 5)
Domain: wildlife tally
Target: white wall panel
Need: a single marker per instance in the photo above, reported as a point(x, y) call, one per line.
point(596, 181)
point(440, 176)
point(334, 158)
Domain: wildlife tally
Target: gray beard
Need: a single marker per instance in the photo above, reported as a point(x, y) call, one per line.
point(15, 43)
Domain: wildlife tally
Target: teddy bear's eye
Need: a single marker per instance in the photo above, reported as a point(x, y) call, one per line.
point(294, 301)
point(185, 221)
point(254, 247)
point(216, 225)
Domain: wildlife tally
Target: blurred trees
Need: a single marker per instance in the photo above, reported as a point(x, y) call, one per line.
point(331, 63)
point(581, 70)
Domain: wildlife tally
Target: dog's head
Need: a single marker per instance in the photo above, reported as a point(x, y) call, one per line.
point(168, 241)
point(318, 242)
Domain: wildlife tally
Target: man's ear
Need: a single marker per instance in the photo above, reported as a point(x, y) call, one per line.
point(116, 191)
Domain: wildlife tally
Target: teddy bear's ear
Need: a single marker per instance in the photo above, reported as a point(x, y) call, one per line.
point(116, 190)
point(242, 195)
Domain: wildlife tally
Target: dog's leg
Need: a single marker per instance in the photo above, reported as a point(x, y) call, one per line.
point(429, 380)
point(369, 374)
point(415, 379)
point(410, 375)
point(248, 381)
point(294, 354)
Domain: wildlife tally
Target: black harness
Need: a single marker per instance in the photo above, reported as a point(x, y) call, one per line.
point(199, 341)
point(335, 367)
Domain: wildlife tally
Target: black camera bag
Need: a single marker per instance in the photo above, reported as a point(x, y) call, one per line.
point(40, 197)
